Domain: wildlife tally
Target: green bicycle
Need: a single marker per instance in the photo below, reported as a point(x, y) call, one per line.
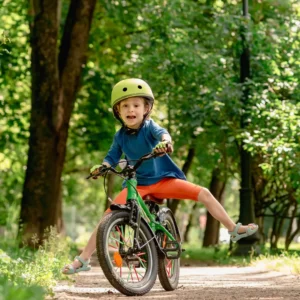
point(139, 240)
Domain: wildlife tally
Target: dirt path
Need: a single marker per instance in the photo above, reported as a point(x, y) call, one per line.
point(207, 283)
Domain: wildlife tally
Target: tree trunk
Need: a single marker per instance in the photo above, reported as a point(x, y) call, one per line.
point(190, 223)
point(291, 235)
point(55, 82)
point(217, 187)
point(278, 223)
point(273, 234)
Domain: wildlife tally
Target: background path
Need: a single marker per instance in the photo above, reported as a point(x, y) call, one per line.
point(207, 283)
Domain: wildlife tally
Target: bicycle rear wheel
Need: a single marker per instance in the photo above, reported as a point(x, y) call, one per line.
point(168, 269)
point(130, 271)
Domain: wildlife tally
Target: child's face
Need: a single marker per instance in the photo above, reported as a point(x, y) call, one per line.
point(132, 111)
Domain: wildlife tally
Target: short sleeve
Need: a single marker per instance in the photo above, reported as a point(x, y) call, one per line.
point(156, 130)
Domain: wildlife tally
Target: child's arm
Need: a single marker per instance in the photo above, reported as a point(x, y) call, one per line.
point(114, 153)
point(166, 138)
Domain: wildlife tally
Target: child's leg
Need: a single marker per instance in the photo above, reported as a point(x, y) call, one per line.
point(218, 212)
point(215, 208)
point(90, 247)
point(181, 189)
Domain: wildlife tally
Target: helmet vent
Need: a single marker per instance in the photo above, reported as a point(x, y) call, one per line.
point(140, 87)
point(124, 89)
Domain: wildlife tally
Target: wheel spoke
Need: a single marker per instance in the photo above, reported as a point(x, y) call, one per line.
point(135, 270)
point(142, 263)
point(136, 273)
point(121, 235)
point(130, 273)
point(128, 268)
point(117, 242)
point(114, 247)
point(169, 266)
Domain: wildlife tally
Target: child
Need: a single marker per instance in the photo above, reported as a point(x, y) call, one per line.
point(132, 101)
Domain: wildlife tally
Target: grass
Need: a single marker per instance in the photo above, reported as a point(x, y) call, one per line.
point(10, 291)
point(212, 256)
point(288, 263)
point(25, 271)
point(283, 261)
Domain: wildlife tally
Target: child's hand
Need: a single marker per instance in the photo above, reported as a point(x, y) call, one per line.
point(163, 147)
point(96, 170)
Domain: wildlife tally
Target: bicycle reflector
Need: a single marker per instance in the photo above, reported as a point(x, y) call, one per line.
point(118, 259)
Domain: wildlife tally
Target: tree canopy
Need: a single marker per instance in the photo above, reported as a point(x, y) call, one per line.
point(188, 51)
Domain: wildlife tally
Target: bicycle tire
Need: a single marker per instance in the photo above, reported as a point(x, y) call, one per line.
point(117, 224)
point(169, 269)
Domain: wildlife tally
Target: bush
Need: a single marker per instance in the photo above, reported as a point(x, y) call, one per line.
point(9, 291)
point(40, 268)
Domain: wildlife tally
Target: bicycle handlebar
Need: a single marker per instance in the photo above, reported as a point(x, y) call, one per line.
point(132, 168)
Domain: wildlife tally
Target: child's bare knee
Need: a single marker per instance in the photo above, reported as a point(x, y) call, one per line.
point(204, 195)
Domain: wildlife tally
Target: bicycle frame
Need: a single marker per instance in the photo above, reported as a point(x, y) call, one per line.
point(133, 199)
point(132, 194)
point(137, 240)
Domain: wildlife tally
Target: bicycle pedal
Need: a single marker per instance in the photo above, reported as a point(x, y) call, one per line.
point(172, 252)
point(176, 246)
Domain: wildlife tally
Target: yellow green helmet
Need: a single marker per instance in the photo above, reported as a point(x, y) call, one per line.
point(132, 87)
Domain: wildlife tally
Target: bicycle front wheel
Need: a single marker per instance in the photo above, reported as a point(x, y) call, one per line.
point(131, 271)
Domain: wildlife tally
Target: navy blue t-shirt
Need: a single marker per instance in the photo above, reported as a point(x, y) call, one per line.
point(136, 145)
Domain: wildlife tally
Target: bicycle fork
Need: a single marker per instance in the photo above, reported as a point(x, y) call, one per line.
point(135, 222)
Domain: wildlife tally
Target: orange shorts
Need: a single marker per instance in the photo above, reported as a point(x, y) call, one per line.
point(166, 188)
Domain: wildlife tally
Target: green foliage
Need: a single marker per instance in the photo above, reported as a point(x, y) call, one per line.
point(14, 106)
point(274, 123)
point(212, 256)
point(277, 143)
point(41, 267)
point(285, 262)
point(8, 291)
point(189, 53)
point(272, 135)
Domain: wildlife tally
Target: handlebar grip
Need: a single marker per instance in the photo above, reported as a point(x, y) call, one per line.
point(100, 173)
